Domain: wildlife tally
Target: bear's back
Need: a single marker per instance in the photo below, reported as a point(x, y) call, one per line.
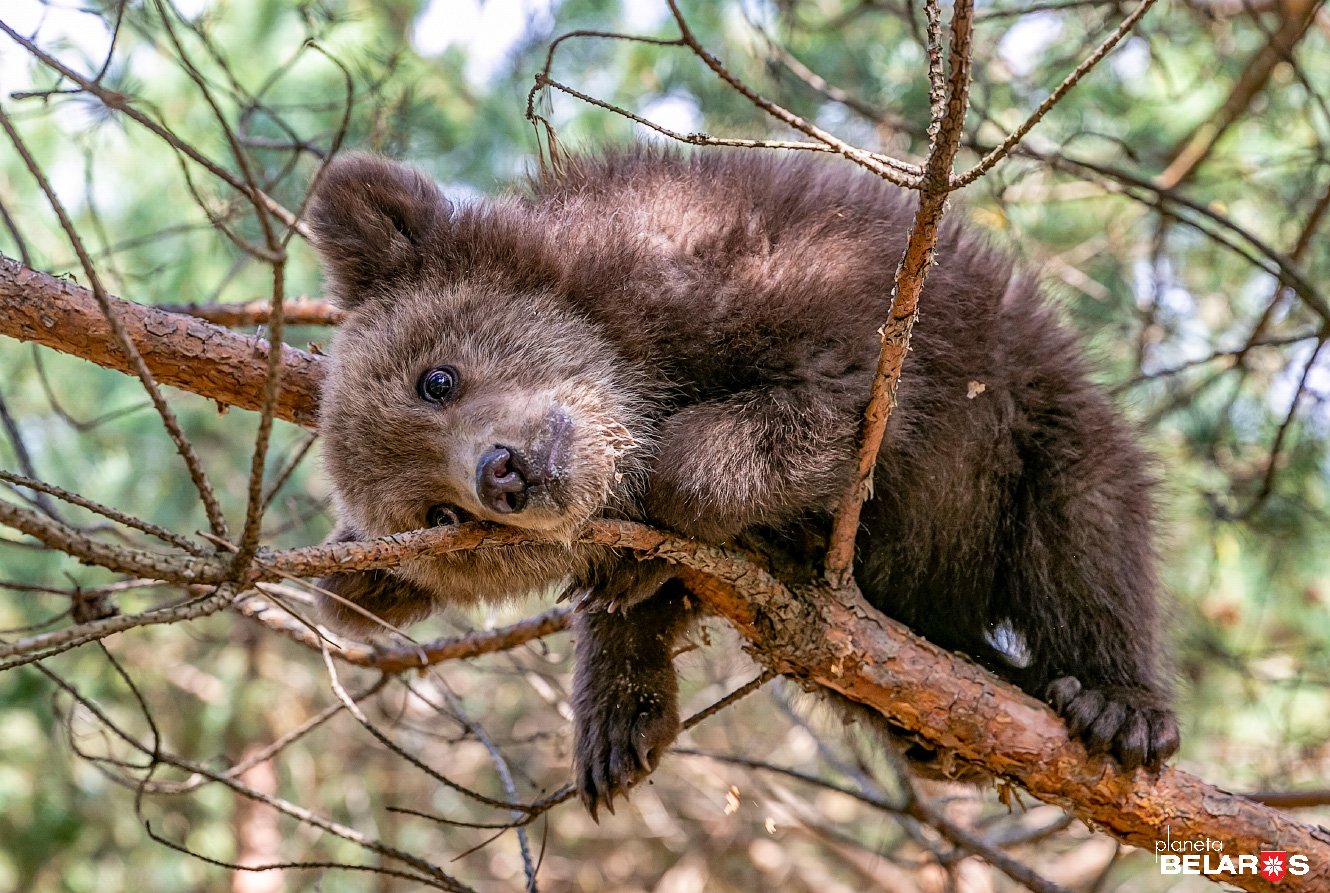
point(743, 266)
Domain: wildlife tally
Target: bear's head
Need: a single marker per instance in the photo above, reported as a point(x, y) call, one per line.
point(462, 385)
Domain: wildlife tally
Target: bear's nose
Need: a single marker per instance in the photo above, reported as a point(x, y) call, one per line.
point(501, 480)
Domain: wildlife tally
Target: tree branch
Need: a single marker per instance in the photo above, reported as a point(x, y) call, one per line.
point(949, 100)
point(1296, 16)
point(297, 312)
point(1014, 138)
point(847, 646)
point(822, 637)
point(399, 658)
point(185, 353)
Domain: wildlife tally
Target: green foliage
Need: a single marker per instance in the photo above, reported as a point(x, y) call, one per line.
point(1150, 291)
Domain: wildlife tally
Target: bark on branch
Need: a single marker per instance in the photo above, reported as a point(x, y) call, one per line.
point(298, 312)
point(847, 646)
point(816, 635)
point(180, 351)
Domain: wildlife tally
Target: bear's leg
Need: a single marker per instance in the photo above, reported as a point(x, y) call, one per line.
point(756, 457)
point(1077, 582)
point(625, 692)
point(752, 459)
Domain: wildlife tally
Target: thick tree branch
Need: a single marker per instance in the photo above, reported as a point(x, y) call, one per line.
point(826, 638)
point(845, 645)
point(185, 353)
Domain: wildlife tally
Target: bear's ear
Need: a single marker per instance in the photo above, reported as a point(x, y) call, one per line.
point(371, 220)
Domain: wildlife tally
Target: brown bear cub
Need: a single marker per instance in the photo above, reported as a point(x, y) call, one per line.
point(689, 341)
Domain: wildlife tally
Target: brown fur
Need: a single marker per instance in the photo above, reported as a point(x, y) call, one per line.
point(705, 328)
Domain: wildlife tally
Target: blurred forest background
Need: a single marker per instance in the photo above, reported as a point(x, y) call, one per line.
point(1173, 202)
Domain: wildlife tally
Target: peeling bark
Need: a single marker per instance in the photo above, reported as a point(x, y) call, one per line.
point(950, 702)
point(813, 634)
point(180, 351)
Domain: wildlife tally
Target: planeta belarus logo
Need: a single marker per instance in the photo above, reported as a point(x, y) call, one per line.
point(1206, 856)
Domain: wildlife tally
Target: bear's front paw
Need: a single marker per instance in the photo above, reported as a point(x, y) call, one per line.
point(1129, 723)
point(619, 741)
point(619, 586)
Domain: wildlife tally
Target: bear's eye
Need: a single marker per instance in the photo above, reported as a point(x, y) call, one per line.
point(441, 515)
point(438, 385)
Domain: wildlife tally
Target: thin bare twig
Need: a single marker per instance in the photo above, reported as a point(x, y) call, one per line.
point(400, 658)
point(200, 478)
point(964, 838)
point(37, 648)
point(24, 457)
point(537, 808)
point(1276, 451)
point(105, 511)
point(435, 874)
point(121, 103)
point(274, 253)
point(122, 559)
point(902, 173)
point(945, 135)
point(406, 755)
point(1014, 138)
point(269, 751)
point(890, 169)
point(500, 763)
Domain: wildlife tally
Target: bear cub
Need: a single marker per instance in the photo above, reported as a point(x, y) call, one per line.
point(689, 341)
